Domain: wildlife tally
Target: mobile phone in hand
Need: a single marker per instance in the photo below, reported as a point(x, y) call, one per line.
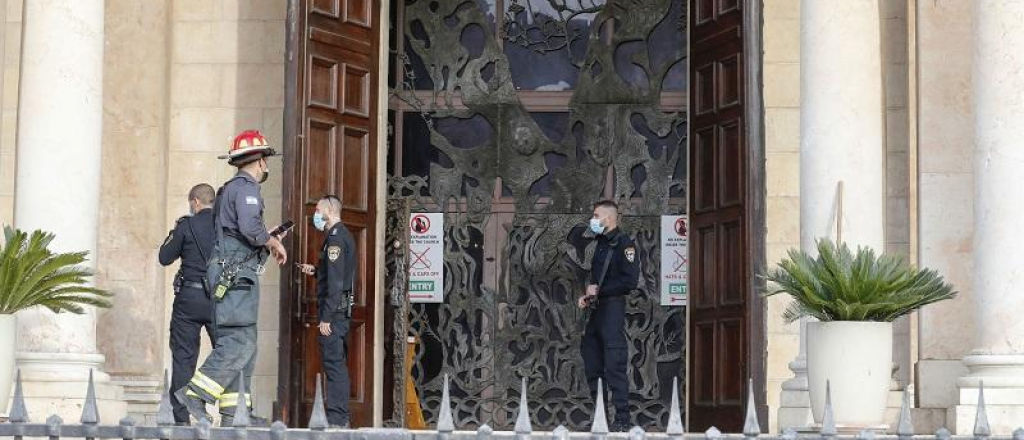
point(282, 228)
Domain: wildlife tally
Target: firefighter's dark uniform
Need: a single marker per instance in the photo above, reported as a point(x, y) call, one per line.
point(335, 274)
point(192, 240)
point(605, 353)
point(239, 256)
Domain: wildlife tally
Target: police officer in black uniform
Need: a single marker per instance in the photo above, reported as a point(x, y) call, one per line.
point(335, 275)
point(615, 271)
point(192, 240)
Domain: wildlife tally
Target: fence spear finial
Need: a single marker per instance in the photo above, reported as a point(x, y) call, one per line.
point(19, 413)
point(445, 420)
point(241, 418)
point(165, 412)
point(675, 417)
point(90, 413)
point(981, 427)
point(905, 428)
point(828, 421)
point(751, 427)
point(318, 419)
point(523, 420)
point(600, 424)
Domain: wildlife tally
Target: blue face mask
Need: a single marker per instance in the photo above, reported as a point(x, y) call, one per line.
point(318, 221)
point(596, 226)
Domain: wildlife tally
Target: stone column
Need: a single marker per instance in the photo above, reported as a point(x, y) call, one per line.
point(841, 140)
point(998, 357)
point(60, 122)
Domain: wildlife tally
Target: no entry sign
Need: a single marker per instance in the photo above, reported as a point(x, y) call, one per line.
point(675, 260)
point(426, 257)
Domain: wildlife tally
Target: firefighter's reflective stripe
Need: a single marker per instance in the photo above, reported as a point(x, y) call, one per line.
point(208, 385)
point(230, 400)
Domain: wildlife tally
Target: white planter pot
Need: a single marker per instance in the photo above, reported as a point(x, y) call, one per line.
point(856, 359)
point(8, 344)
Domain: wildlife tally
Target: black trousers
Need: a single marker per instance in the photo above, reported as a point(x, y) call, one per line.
point(605, 353)
point(334, 352)
point(191, 312)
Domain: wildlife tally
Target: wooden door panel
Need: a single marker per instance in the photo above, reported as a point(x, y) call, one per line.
point(329, 8)
point(729, 362)
point(731, 276)
point(356, 90)
point(324, 73)
point(355, 168)
point(331, 124)
point(705, 171)
point(704, 250)
point(703, 344)
point(357, 12)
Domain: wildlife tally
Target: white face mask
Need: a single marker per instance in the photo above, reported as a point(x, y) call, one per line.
point(189, 209)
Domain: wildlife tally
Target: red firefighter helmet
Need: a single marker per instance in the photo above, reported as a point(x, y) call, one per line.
point(248, 146)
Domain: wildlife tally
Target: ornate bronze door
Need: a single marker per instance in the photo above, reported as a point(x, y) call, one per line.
point(512, 117)
point(331, 148)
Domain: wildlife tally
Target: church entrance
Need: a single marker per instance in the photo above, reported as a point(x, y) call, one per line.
point(511, 117)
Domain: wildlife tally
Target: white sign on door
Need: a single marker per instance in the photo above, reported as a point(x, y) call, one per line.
point(675, 260)
point(426, 257)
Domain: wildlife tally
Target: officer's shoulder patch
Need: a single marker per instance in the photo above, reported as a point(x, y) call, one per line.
point(180, 219)
point(169, 238)
point(333, 252)
point(630, 253)
point(251, 200)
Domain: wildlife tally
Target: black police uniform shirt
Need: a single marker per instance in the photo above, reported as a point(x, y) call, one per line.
point(241, 210)
point(335, 273)
point(181, 244)
point(624, 268)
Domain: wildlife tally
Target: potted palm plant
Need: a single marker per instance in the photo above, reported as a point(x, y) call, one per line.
point(33, 275)
point(854, 297)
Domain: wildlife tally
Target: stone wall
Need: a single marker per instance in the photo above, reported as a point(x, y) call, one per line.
point(226, 75)
point(945, 44)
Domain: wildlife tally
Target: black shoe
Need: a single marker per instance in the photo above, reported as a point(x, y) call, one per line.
point(195, 406)
point(342, 425)
point(620, 425)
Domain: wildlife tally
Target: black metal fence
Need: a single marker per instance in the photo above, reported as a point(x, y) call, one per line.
point(19, 425)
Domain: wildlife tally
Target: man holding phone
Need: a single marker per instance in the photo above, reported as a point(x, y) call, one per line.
point(335, 275)
point(233, 277)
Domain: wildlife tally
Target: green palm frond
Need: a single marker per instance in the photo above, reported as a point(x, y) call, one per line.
point(32, 275)
point(839, 285)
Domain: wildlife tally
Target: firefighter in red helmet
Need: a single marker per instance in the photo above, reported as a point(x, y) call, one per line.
point(243, 245)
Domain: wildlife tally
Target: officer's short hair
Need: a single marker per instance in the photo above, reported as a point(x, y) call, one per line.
point(607, 204)
point(202, 192)
point(333, 203)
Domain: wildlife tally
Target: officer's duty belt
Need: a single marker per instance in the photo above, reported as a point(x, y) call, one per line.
point(609, 298)
point(193, 285)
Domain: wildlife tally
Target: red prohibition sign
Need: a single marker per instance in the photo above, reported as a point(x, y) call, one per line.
point(420, 224)
point(681, 227)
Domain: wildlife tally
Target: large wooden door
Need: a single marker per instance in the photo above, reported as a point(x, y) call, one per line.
point(331, 139)
point(719, 329)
